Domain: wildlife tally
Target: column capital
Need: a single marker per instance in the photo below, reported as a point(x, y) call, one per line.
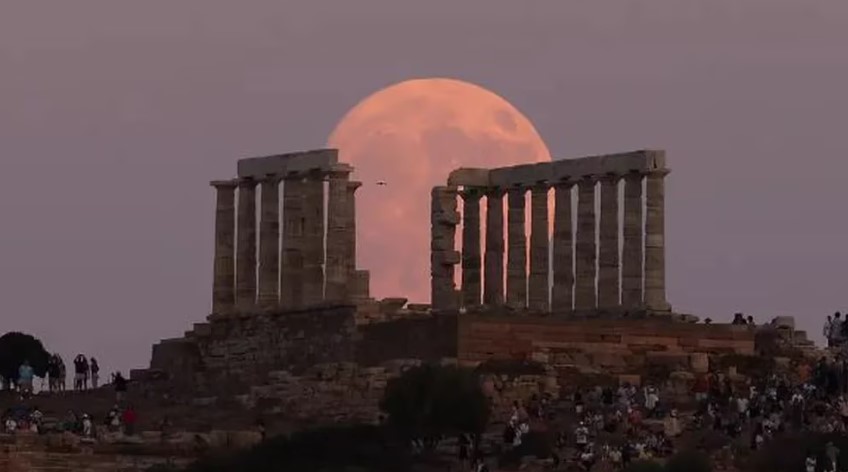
point(657, 172)
point(472, 193)
point(339, 171)
point(610, 177)
point(271, 179)
point(540, 185)
point(495, 192)
point(352, 185)
point(565, 182)
point(229, 183)
point(247, 182)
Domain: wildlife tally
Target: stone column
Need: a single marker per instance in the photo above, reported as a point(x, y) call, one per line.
point(539, 285)
point(516, 257)
point(359, 281)
point(224, 279)
point(313, 253)
point(608, 259)
point(291, 274)
point(269, 242)
point(338, 251)
point(471, 247)
point(585, 295)
point(631, 264)
point(493, 278)
point(443, 254)
point(562, 296)
point(655, 241)
point(246, 255)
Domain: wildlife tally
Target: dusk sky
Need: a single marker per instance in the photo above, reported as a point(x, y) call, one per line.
point(114, 116)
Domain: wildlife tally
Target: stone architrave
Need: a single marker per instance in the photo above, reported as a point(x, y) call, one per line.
point(655, 241)
point(516, 258)
point(443, 254)
point(292, 266)
point(538, 284)
point(608, 255)
point(562, 296)
point(471, 260)
point(631, 264)
point(585, 294)
point(493, 263)
point(246, 247)
point(338, 252)
point(313, 253)
point(269, 242)
point(224, 279)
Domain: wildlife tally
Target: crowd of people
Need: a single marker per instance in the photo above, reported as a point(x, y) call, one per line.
point(621, 424)
point(31, 419)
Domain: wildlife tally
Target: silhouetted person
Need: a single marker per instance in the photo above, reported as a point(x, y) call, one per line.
point(94, 369)
point(120, 386)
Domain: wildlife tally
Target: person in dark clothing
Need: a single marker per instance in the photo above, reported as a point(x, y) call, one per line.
point(120, 384)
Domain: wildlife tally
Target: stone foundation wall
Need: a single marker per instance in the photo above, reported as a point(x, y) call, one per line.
point(617, 346)
point(243, 348)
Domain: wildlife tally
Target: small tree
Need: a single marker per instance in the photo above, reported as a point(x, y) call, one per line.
point(429, 402)
point(15, 348)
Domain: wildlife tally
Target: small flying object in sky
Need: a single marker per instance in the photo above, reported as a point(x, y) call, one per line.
point(381, 182)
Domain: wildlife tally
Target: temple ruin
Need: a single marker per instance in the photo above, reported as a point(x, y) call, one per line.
point(613, 265)
point(294, 269)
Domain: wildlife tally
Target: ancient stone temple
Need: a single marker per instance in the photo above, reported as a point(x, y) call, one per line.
point(299, 260)
point(612, 262)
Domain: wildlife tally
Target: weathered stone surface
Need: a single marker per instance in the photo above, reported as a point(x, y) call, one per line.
point(223, 288)
point(538, 284)
point(562, 296)
point(608, 261)
point(493, 278)
point(294, 244)
point(339, 220)
point(288, 164)
point(246, 249)
point(632, 257)
point(443, 255)
point(350, 235)
point(655, 241)
point(516, 258)
point(585, 294)
point(269, 242)
point(471, 257)
point(313, 253)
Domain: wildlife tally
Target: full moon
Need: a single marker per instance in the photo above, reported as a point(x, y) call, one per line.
point(405, 139)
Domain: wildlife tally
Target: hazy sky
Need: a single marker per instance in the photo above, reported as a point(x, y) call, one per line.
point(115, 115)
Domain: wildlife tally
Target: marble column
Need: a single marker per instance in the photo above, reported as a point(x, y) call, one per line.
point(350, 233)
point(608, 258)
point(246, 248)
point(493, 263)
point(291, 269)
point(223, 285)
point(585, 294)
point(562, 296)
point(338, 264)
point(655, 241)
point(631, 264)
point(471, 284)
point(313, 253)
point(443, 254)
point(538, 288)
point(516, 257)
point(269, 242)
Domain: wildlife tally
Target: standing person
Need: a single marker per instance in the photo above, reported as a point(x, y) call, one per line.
point(25, 375)
point(84, 373)
point(129, 419)
point(62, 373)
point(95, 373)
point(836, 329)
point(78, 372)
point(827, 331)
point(120, 386)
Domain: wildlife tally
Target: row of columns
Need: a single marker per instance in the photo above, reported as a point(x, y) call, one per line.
point(294, 270)
point(587, 273)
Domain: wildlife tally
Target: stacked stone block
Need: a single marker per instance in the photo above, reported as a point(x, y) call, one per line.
point(443, 256)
